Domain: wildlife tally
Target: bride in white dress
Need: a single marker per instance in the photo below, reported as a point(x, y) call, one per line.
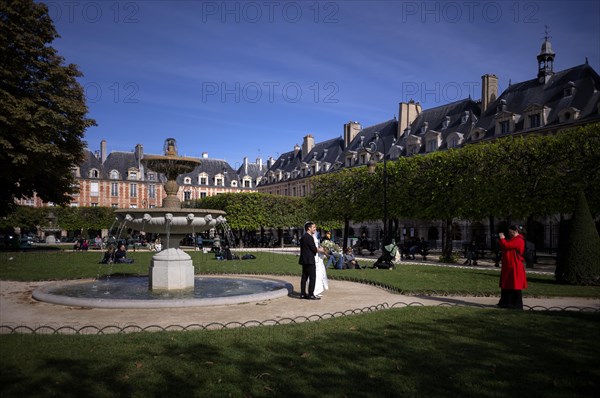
point(321, 282)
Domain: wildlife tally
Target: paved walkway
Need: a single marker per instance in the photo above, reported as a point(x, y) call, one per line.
point(18, 308)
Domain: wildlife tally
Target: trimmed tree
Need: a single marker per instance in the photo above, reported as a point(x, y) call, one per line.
point(579, 259)
point(43, 112)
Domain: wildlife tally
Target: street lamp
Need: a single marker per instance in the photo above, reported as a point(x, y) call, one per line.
point(371, 148)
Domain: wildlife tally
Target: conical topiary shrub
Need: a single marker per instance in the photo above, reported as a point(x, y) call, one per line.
point(579, 257)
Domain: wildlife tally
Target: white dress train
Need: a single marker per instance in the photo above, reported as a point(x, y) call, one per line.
point(321, 281)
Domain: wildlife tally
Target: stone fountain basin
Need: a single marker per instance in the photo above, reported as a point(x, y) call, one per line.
point(132, 292)
point(181, 221)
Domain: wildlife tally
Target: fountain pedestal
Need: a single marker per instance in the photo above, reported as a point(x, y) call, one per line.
point(171, 269)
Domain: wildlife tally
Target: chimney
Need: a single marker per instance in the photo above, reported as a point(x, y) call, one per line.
point(296, 150)
point(245, 165)
point(407, 113)
point(270, 162)
point(308, 145)
point(351, 129)
point(103, 153)
point(139, 152)
point(489, 91)
point(204, 155)
point(259, 163)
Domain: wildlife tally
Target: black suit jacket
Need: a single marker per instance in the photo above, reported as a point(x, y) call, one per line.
point(308, 249)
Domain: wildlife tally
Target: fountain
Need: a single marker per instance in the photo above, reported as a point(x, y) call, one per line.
point(171, 269)
point(171, 281)
point(50, 229)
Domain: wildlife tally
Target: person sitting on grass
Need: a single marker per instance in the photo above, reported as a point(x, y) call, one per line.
point(121, 255)
point(349, 260)
point(109, 255)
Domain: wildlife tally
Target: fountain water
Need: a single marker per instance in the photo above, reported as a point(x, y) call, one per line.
point(171, 273)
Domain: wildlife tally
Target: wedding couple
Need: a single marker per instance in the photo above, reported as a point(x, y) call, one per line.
point(313, 268)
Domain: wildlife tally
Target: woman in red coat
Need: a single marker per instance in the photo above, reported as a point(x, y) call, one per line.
point(512, 277)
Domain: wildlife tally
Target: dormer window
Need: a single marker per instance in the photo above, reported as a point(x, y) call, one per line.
point(478, 133)
point(535, 116)
point(247, 182)
point(464, 117)
point(219, 180)
point(454, 140)
point(132, 174)
point(501, 106)
point(446, 123)
point(568, 115)
point(94, 173)
point(187, 180)
point(534, 120)
point(424, 128)
point(569, 89)
point(234, 183)
point(151, 176)
point(76, 171)
point(413, 145)
point(505, 122)
point(203, 179)
point(433, 140)
point(432, 145)
point(114, 174)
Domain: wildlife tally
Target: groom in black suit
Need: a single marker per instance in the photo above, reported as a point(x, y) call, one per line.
point(308, 250)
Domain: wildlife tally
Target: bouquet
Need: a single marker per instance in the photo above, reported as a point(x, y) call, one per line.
point(330, 246)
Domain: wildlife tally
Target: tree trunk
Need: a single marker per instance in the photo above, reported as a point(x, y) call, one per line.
point(241, 238)
point(493, 242)
point(346, 233)
point(447, 242)
point(280, 232)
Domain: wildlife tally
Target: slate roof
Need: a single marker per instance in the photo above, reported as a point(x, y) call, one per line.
point(252, 170)
point(330, 151)
point(90, 162)
point(120, 161)
point(123, 161)
point(387, 132)
point(212, 167)
point(551, 94)
point(459, 116)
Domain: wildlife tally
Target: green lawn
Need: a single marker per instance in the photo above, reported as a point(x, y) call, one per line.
point(407, 352)
point(410, 352)
point(406, 278)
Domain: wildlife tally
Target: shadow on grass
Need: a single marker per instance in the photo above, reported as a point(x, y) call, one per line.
point(442, 352)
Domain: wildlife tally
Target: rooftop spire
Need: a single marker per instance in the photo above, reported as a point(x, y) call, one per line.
point(545, 59)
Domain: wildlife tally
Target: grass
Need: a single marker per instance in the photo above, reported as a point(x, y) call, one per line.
point(411, 352)
point(406, 278)
point(408, 352)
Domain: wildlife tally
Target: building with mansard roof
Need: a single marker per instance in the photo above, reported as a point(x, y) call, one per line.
point(546, 104)
point(120, 180)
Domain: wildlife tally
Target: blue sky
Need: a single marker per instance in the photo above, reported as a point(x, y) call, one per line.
point(251, 78)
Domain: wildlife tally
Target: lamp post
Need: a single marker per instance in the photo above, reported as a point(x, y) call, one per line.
point(371, 148)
